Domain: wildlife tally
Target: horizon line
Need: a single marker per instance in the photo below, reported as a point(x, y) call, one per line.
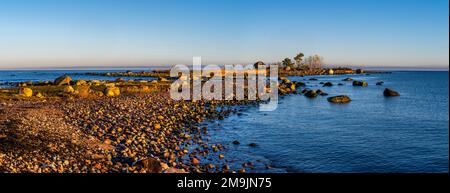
point(142, 67)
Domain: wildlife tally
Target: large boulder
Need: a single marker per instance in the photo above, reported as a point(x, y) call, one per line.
point(339, 99)
point(390, 93)
point(63, 80)
point(311, 93)
point(360, 83)
point(328, 84)
point(112, 91)
point(25, 92)
point(83, 91)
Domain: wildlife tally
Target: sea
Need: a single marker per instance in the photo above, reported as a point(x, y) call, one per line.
point(371, 134)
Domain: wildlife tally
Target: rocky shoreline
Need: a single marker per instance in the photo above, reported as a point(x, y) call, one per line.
point(106, 127)
point(91, 126)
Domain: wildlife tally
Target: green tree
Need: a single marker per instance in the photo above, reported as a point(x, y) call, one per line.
point(287, 62)
point(299, 58)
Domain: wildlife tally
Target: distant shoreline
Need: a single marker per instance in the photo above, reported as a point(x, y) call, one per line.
point(368, 68)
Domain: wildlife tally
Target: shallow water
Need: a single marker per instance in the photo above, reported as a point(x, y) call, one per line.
point(371, 134)
point(14, 76)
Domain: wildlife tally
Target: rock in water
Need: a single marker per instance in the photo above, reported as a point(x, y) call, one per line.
point(360, 83)
point(63, 80)
point(253, 145)
point(25, 92)
point(339, 99)
point(348, 79)
point(390, 93)
point(311, 94)
point(380, 83)
point(328, 84)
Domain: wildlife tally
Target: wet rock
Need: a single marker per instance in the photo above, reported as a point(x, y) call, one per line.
point(380, 83)
point(390, 93)
point(360, 83)
point(328, 84)
point(339, 99)
point(236, 142)
point(348, 79)
point(300, 84)
point(253, 145)
point(340, 84)
point(311, 94)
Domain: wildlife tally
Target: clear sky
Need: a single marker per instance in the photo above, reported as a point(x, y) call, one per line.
point(61, 33)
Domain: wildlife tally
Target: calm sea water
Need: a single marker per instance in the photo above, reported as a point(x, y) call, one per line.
point(14, 76)
point(371, 134)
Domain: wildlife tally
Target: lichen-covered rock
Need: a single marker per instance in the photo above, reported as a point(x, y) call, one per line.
point(80, 82)
point(83, 91)
point(39, 95)
point(69, 90)
point(112, 91)
point(25, 92)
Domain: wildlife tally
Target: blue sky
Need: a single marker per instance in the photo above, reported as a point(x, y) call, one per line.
point(60, 33)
